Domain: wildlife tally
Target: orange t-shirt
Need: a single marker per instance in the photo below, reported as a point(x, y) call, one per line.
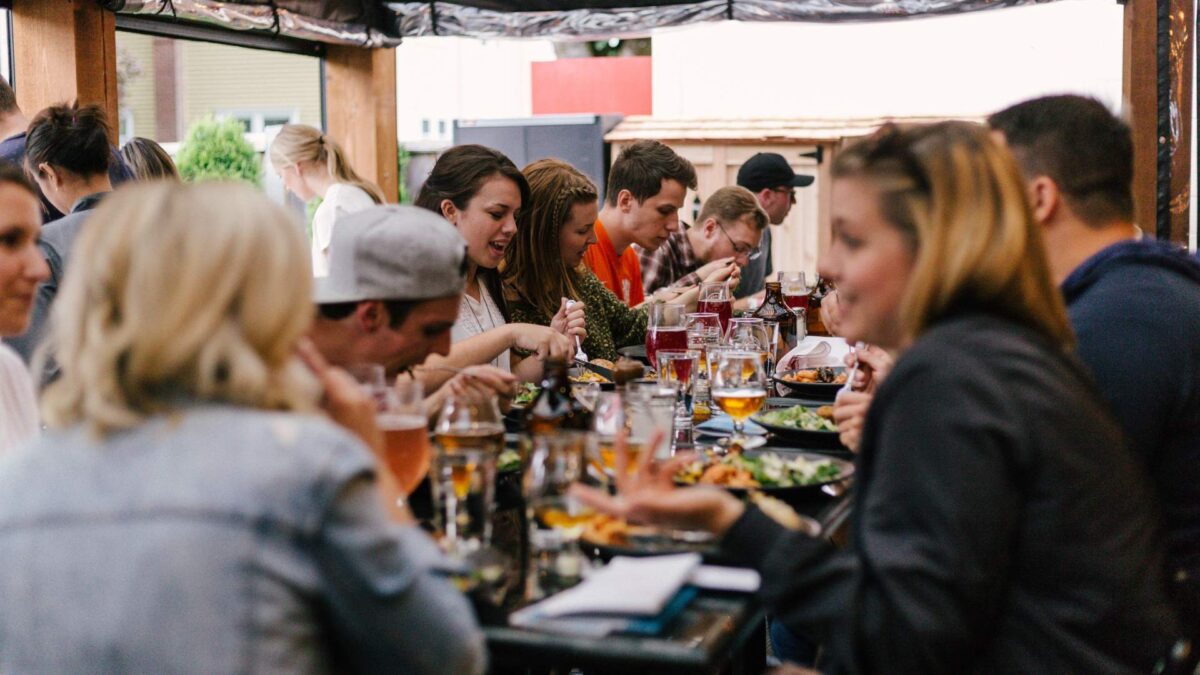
point(622, 275)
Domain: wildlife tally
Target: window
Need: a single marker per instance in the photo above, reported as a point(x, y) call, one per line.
point(425, 128)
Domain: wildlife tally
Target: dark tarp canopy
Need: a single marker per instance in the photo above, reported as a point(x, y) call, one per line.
point(376, 23)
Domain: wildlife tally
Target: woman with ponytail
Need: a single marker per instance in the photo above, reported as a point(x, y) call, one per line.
point(311, 164)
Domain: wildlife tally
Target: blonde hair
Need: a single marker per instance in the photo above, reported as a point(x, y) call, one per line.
point(301, 143)
point(533, 267)
point(148, 160)
point(958, 198)
point(177, 292)
point(731, 204)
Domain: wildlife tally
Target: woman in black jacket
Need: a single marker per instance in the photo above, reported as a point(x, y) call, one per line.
point(1001, 525)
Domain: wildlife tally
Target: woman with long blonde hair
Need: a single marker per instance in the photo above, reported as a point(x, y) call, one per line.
point(1000, 524)
point(311, 165)
point(188, 499)
point(543, 267)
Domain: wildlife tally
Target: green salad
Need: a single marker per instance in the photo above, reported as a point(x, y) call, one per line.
point(768, 470)
point(799, 417)
point(509, 460)
point(526, 392)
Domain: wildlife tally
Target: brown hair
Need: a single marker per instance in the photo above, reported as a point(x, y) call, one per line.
point(731, 204)
point(533, 268)
point(1081, 146)
point(297, 143)
point(148, 160)
point(643, 166)
point(14, 175)
point(72, 137)
point(958, 199)
point(458, 175)
point(8, 98)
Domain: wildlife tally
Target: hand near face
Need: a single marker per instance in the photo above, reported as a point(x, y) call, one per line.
point(831, 313)
point(721, 269)
point(850, 413)
point(571, 320)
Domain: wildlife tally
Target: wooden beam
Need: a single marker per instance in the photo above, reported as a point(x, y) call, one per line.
point(65, 50)
point(360, 94)
point(1140, 84)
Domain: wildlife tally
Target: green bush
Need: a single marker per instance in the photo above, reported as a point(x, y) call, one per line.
point(216, 150)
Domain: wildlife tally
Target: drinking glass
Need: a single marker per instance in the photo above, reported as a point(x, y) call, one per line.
point(586, 393)
point(716, 298)
point(703, 331)
point(607, 421)
point(795, 289)
point(649, 409)
point(556, 519)
point(664, 329)
point(469, 435)
point(739, 387)
point(405, 433)
point(678, 370)
point(372, 378)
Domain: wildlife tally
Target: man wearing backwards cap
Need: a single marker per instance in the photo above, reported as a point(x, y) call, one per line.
point(769, 176)
point(396, 274)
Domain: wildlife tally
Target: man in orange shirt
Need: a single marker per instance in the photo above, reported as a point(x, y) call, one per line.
point(646, 187)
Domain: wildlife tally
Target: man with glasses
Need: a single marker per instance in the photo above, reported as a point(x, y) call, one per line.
point(724, 240)
point(773, 182)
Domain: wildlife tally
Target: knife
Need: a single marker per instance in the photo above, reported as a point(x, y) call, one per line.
point(599, 370)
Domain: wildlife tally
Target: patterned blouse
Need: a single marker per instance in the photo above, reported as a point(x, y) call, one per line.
point(610, 322)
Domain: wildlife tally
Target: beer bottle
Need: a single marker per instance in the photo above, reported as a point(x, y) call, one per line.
point(774, 311)
point(555, 407)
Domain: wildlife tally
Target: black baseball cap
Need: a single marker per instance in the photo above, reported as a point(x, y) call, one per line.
point(770, 170)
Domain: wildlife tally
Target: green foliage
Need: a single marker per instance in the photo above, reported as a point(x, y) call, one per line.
point(218, 150)
point(403, 158)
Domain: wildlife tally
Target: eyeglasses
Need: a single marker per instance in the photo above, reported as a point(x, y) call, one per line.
point(787, 191)
point(741, 248)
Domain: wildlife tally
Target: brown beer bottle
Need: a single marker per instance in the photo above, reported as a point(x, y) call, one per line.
point(555, 407)
point(774, 310)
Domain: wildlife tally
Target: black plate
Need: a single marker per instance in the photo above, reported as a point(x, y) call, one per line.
point(825, 440)
point(818, 391)
point(797, 494)
point(643, 549)
point(637, 352)
point(576, 371)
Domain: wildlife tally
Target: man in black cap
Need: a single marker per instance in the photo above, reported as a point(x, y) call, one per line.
point(772, 180)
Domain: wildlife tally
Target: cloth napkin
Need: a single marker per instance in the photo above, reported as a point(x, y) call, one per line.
point(722, 425)
point(815, 352)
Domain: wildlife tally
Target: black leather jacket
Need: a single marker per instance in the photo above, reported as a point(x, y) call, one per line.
point(1000, 526)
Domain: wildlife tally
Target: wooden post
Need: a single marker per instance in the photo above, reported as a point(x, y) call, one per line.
point(65, 50)
point(1158, 51)
point(360, 95)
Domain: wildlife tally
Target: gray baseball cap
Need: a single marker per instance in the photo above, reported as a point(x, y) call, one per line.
point(393, 252)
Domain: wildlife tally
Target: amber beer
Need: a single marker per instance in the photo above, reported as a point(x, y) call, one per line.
point(740, 403)
point(406, 448)
point(485, 437)
point(608, 454)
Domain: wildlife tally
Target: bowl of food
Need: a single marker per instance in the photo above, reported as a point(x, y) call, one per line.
point(819, 383)
point(809, 426)
point(787, 476)
point(607, 536)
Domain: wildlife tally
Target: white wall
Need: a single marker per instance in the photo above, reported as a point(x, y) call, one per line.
point(968, 64)
point(441, 79)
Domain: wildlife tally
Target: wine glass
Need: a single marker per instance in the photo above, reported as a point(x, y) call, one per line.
point(469, 434)
point(373, 379)
point(795, 289)
point(556, 518)
point(739, 387)
point(678, 370)
point(586, 393)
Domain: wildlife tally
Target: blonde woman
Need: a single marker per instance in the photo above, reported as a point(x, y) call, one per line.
point(188, 500)
point(1001, 526)
point(148, 160)
point(311, 165)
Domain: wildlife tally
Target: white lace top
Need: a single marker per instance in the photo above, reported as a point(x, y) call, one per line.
point(476, 317)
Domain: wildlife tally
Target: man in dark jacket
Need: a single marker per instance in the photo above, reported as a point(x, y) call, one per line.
point(1134, 303)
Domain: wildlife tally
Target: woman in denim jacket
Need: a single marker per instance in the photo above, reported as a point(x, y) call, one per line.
point(190, 510)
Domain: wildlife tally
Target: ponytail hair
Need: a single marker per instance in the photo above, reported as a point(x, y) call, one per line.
point(301, 143)
point(71, 137)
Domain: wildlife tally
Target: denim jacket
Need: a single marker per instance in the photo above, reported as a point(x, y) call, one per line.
point(217, 540)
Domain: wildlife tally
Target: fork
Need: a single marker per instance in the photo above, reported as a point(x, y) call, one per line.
point(580, 355)
point(849, 386)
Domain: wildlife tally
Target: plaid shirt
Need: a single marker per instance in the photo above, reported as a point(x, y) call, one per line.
point(672, 264)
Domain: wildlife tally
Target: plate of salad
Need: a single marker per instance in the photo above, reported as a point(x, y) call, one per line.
point(809, 425)
point(779, 473)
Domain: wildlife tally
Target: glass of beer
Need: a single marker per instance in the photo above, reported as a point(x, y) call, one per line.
point(373, 379)
point(556, 519)
point(716, 298)
point(405, 433)
point(469, 435)
point(795, 289)
point(664, 328)
point(739, 387)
